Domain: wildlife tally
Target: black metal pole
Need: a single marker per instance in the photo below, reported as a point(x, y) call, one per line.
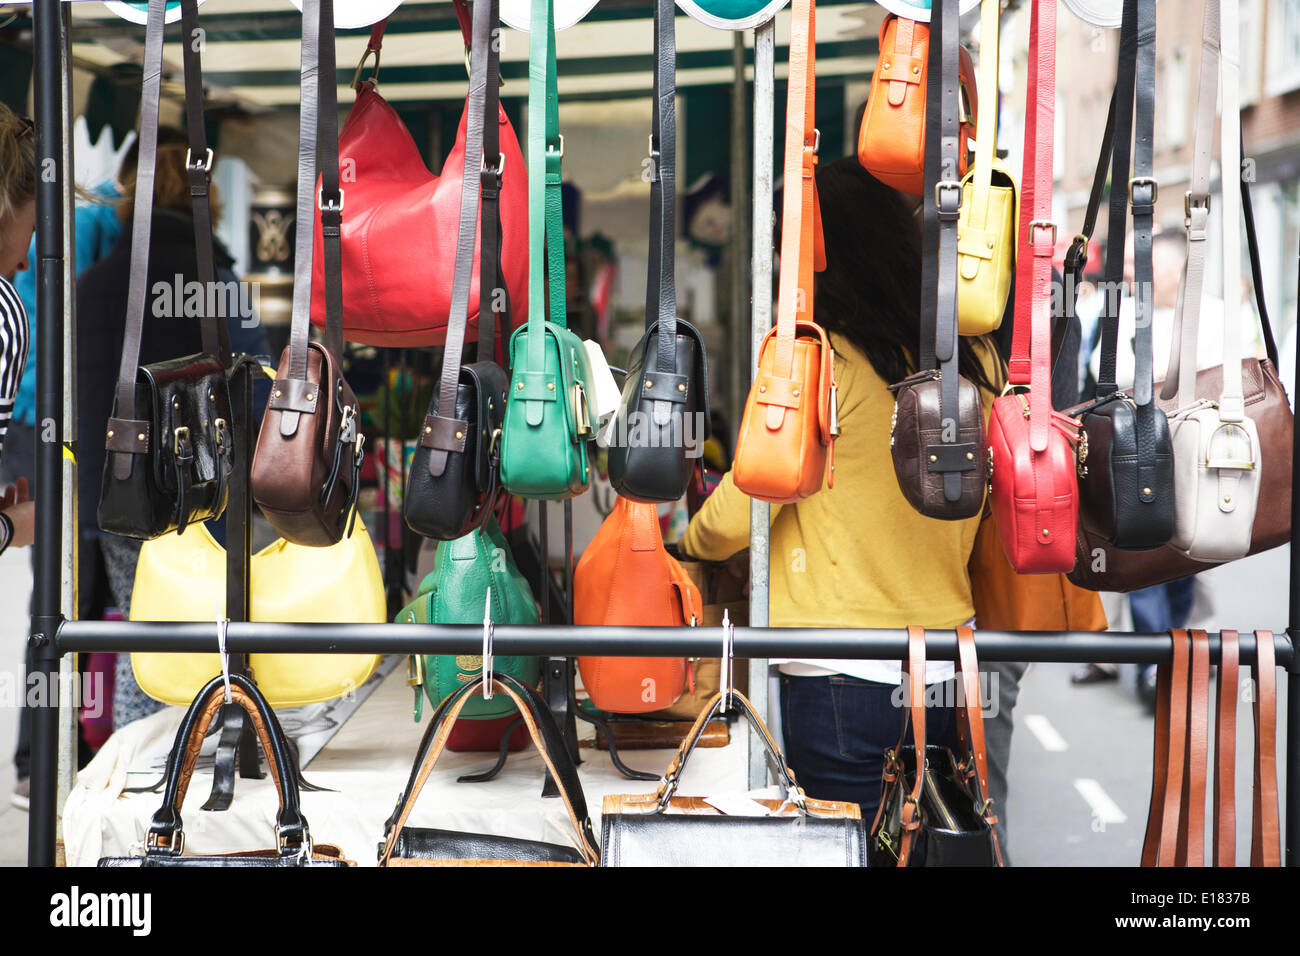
point(627, 641)
point(47, 17)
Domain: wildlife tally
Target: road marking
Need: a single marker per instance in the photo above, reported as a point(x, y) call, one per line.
point(1103, 807)
point(1042, 729)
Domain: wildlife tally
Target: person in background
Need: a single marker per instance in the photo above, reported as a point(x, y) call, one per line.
point(17, 224)
point(857, 554)
point(101, 325)
point(97, 228)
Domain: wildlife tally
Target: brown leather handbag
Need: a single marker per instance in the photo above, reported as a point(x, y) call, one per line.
point(626, 577)
point(307, 467)
point(1100, 567)
point(937, 432)
point(787, 434)
point(891, 140)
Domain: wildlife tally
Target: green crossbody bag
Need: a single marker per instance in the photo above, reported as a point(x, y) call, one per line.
point(454, 592)
point(548, 423)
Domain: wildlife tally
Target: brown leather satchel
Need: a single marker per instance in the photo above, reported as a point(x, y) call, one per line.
point(307, 467)
point(923, 462)
point(1101, 567)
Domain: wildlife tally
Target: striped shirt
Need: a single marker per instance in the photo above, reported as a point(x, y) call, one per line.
point(13, 352)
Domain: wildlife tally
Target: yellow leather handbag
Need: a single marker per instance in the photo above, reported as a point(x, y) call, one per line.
point(182, 577)
point(986, 223)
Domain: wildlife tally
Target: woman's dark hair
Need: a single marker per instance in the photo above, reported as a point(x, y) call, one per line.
point(870, 292)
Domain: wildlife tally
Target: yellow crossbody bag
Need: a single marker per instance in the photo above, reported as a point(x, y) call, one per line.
point(182, 577)
point(986, 222)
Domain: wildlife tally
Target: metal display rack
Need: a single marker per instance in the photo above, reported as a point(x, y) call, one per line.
point(53, 635)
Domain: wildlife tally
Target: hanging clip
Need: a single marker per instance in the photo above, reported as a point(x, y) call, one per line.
point(728, 675)
point(223, 625)
point(488, 628)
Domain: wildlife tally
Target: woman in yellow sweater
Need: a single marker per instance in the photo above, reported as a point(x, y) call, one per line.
point(858, 555)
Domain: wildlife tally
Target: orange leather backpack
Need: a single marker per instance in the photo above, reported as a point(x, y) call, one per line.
point(626, 577)
point(891, 141)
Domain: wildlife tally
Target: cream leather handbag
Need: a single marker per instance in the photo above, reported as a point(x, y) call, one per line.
point(1217, 461)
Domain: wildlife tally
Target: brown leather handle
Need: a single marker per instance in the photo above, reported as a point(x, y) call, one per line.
point(1190, 850)
point(970, 714)
point(1160, 843)
point(1265, 831)
point(1225, 752)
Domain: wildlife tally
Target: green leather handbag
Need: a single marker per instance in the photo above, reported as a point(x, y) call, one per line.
point(454, 592)
point(548, 423)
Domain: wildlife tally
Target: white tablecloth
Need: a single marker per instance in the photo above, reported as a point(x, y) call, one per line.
point(366, 767)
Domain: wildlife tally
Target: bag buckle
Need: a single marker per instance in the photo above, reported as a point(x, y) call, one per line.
point(835, 415)
point(1143, 203)
point(581, 413)
point(1081, 455)
point(1037, 224)
point(414, 670)
point(1230, 464)
point(949, 189)
point(1194, 201)
point(328, 207)
point(175, 847)
point(348, 426)
point(206, 165)
point(181, 439)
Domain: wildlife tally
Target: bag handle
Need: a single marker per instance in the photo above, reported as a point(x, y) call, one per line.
point(1030, 362)
point(986, 120)
point(1190, 849)
point(546, 296)
point(1225, 752)
point(166, 836)
point(1160, 842)
point(1265, 831)
point(317, 129)
point(799, 194)
point(970, 717)
point(661, 290)
point(443, 433)
point(128, 433)
point(546, 737)
point(785, 776)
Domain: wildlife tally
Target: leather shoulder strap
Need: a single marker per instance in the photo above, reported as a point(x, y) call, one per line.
point(215, 336)
point(1160, 844)
point(1031, 338)
point(914, 714)
point(1265, 830)
point(492, 282)
point(970, 714)
point(1225, 752)
point(1256, 271)
point(795, 285)
point(1190, 849)
point(546, 297)
point(476, 120)
point(661, 289)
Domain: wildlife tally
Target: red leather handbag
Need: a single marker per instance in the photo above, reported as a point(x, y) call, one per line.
point(626, 577)
point(400, 223)
point(1031, 447)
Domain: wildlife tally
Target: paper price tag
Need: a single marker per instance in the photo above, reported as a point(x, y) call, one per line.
point(737, 805)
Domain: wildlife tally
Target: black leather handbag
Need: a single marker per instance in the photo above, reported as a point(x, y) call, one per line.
point(421, 846)
point(165, 841)
point(453, 477)
point(1126, 460)
point(663, 414)
point(936, 435)
point(168, 439)
point(661, 829)
point(937, 814)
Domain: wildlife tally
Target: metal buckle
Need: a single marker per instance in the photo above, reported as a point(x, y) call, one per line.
point(500, 167)
point(182, 434)
point(219, 424)
point(945, 185)
point(176, 847)
point(374, 74)
point(1081, 456)
point(206, 166)
point(414, 670)
point(885, 840)
point(320, 201)
point(348, 426)
point(551, 151)
point(835, 413)
point(1200, 202)
point(1036, 224)
point(1143, 181)
point(581, 413)
point(1229, 464)
point(304, 847)
point(817, 141)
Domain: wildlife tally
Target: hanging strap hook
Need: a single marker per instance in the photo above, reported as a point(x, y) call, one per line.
point(488, 628)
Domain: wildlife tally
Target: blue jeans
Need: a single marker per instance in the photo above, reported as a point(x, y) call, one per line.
point(1163, 606)
point(837, 730)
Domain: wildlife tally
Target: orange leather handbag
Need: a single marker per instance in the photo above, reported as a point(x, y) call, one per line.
point(787, 434)
point(891, 141)
point(626, 577)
